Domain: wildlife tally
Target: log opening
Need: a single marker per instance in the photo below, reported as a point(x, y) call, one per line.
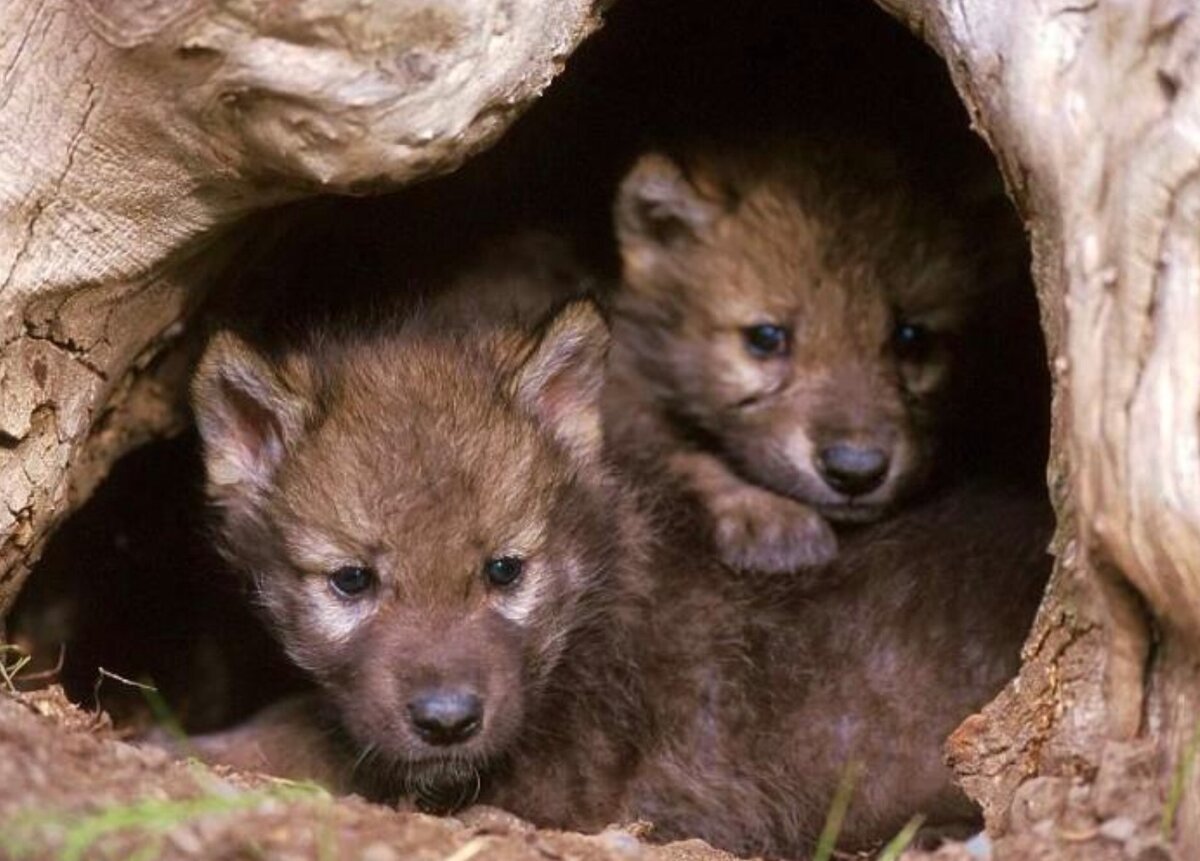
point(129, 585)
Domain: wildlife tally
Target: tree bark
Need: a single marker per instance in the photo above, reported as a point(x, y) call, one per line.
point(1093, 111)
point(132, 132)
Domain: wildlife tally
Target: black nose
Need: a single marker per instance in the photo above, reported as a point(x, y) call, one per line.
point(446, 716)
point(852, 469)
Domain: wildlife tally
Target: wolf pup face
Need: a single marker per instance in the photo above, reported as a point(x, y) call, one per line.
point(798, 313)
point(423, 528)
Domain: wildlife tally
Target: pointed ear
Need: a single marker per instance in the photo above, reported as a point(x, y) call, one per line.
point(561, 380)
point(247, 414)
point(658, 205)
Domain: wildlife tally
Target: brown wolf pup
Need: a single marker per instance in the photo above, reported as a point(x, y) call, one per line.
point(491, 613)
point(787, 330)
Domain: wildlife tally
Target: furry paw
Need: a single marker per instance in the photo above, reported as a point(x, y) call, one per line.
point(756, 530)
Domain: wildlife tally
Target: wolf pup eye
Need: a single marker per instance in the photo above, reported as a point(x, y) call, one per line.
point(912, 342)
point(504, 570)
point(352, 580)
point(766, 340)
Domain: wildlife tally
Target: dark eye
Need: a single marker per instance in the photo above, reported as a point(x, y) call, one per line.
point(352, 580)
point(912, 341)
point(765, 340)
point(503, 570)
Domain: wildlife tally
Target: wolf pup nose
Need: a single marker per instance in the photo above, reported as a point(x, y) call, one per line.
point(851, 468)
point(446, 717)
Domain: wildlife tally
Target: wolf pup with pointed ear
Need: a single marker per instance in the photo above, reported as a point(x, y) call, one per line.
point(491, 611)
point(786, 334)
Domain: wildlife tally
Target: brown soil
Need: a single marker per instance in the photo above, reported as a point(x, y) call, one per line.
point(70, 789)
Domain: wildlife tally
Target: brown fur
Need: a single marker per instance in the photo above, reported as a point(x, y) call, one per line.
point(623, 676)
point(827, 240)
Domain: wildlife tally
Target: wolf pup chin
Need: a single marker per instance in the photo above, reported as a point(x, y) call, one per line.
point(491, 613)
point(789, 322)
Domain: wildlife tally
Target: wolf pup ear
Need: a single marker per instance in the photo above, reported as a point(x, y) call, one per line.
point(247, 415)
point(658, 206)
point(561, 380)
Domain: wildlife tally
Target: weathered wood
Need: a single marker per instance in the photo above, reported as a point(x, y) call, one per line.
point(1093, 110)
point(132, 132)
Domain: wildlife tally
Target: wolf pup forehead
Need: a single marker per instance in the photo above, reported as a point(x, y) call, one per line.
point(421, 524)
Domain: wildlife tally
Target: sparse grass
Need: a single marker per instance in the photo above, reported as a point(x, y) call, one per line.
point(149, 852)
point(325, 837)
point(164, 716)
point(837, 812)
point(896, 846)
point(13, 659)
point(145, 821)
point(469, 849)
point(1182, 777)
point(827, 844)
point(102, 674)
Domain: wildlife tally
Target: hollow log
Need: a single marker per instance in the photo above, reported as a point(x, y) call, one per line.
point(133, 133)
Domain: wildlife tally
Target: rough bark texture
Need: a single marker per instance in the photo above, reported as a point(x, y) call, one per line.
point(1093, 110)
point(132, 132)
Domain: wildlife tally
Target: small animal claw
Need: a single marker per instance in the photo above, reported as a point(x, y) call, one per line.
point(756, 530)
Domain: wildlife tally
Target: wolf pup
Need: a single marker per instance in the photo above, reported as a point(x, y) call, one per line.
point(787, 330)
point(492, 613)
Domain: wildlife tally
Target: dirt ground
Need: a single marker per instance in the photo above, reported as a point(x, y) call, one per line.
point(71, 790)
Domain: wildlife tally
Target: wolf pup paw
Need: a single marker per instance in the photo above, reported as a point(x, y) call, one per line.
point(757, 530)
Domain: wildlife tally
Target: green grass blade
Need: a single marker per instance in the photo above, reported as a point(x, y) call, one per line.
point(837, 812)
point(1179, 783)
point(896, 846)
